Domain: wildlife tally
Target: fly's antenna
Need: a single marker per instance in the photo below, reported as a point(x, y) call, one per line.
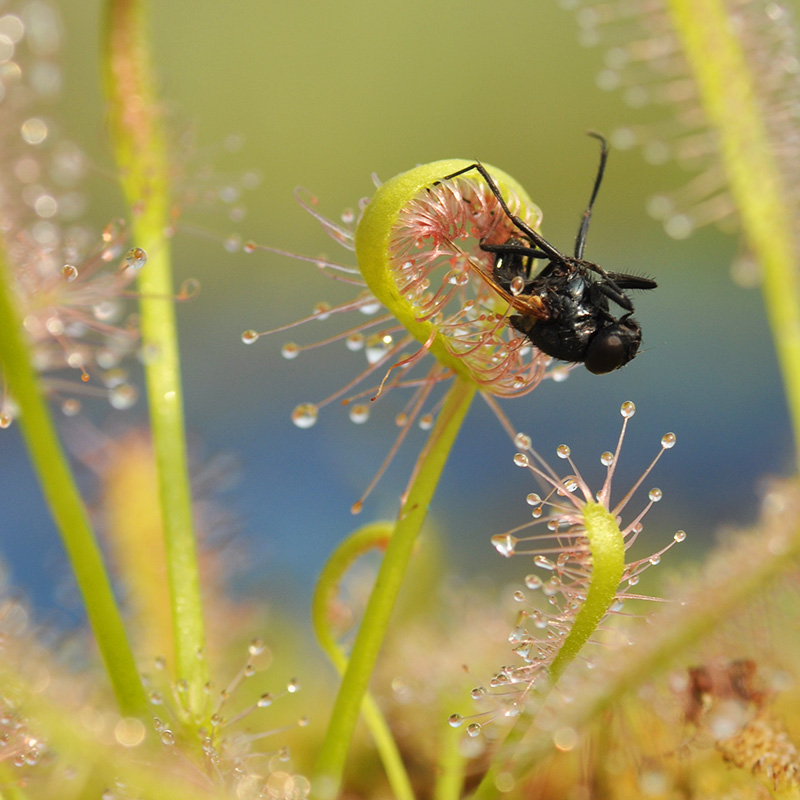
point(580, 239)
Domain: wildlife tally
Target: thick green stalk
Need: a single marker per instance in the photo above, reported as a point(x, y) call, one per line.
point(141, 155)
point(331, 761)
point(67, 508)
point(729, 98)
point(353, 547)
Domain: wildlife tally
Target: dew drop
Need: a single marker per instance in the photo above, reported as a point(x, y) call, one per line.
point(522, 441)
point(322, 310)
point(293, 686)
point(370, 308)
point(426, 422)
point(135, 259)
point(54, 326)
point(679, 536)
point(633, 580)
point(543, 562)
point(70, 407)
point(533, 499)
point(355, 342)
point(563, 451)
point(654, 560)
point(655, 495)
point(34, 130)
point(474, 729)
point(517, 285)
point(533, 582)
point(123, 396)
point(679, 226)
point(668, 440)
point(627, 409)
point(249, 247)
point(106, 310)
point(76, 360)
point(5, 420)
point(256, 647)
point(377, 346)
point(167, 737)
point(521, 460)
point(69, 273)
point(359, 413)
point(290, 350)
point(607, 459)
point(265, 701)
point(305, 415)
point(518, 597)
point(455, 721)
point(232, 243)
point(249, 336)
point(537, 512)
point(505, 544)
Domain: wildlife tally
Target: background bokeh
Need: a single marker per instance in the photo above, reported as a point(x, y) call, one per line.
point(323, 96)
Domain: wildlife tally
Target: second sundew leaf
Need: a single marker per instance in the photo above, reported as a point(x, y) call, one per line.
point(608, 563)
point(418, 249)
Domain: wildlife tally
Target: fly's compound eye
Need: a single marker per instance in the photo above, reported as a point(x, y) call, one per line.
point(613, 347)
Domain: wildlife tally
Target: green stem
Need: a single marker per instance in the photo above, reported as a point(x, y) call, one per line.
point(450, 763)
point(331, 761)
point(141, 153)
point(729, 98)
point(367, 538)
point(67, 508)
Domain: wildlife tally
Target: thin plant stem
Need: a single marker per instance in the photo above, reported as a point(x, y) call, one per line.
point(67, 508)
point(450, 763)
point(353, 547)
point(731, 104)
point(331, 761)
point(141, 154)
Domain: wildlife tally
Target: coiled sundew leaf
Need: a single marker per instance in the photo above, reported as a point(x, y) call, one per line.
point(379, 226)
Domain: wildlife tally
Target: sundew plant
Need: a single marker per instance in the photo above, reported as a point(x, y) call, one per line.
point(594, 679)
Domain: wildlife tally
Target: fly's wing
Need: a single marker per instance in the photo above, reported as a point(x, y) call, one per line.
point(528, 305)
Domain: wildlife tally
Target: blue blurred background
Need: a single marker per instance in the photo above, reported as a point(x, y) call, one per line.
point(324, 95)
